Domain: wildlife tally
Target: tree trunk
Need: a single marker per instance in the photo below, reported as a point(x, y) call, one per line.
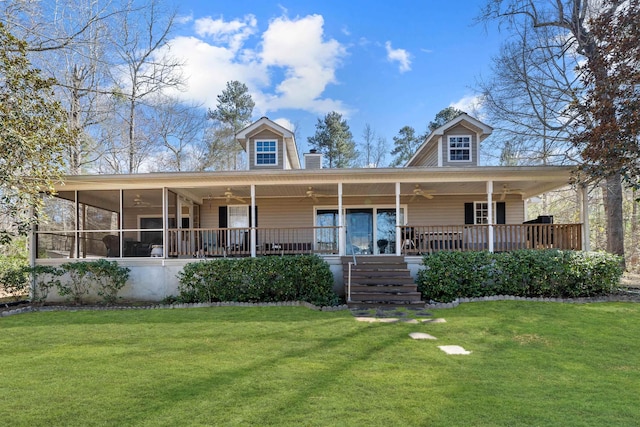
point(615, 229)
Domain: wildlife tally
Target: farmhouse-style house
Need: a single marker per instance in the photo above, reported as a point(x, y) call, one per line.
point(441, 200)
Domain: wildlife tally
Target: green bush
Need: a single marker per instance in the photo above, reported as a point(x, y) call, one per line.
point(107, 277)
point(265, 279)
point(528, 273)
point(14, 279)
point(45, 278)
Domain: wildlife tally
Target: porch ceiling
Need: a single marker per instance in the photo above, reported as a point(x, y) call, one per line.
point(521, 181)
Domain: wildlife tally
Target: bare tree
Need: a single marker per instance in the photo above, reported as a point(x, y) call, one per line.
point(66, 39)
point(526, 98)
point(564, 26)
point(178, 128)
point(372, 148)
point(144, 67)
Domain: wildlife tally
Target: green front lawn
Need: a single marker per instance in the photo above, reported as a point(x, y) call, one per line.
point(531, 364)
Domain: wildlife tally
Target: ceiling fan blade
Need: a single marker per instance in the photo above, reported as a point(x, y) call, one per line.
point(503, 195)
point(427, 196)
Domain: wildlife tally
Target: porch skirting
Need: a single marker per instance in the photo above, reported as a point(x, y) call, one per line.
point(152, 279)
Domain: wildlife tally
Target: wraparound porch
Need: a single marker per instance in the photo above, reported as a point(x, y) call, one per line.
point(409, 240)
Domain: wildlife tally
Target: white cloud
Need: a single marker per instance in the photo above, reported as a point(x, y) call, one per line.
point(184, 19)
point(234, 33)
point(285, 123)
point(401, 56)
point(308, 60)
point(289, 66)
point(470, 104)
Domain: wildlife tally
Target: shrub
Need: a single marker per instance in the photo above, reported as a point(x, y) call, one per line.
point(266, 279)
point(14, 279)
point(107, 276)
point(530, 273)
point(45, 278)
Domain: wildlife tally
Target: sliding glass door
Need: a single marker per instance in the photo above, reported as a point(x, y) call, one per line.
point(369, 231)
point(359, 231)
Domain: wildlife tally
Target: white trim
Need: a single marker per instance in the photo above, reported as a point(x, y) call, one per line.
point(252, 222)
point(492, 210)
point(255, 152)
point(440, 153)
point(449, 160)
point(342, 212)
point(484, 128)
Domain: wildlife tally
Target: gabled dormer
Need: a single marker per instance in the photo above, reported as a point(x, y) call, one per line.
point(454, 144)
point(269, 146)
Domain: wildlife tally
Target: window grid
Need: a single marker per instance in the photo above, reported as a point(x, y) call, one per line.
point(266, 153)
point(481, 213)
point(459, 148)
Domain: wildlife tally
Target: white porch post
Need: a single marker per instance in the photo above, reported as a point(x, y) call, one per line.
point(252, 236)
point(584, 218)
point(398, 242)
point(32, 252)
point(342, 242)
point(165, 222)
point(490, 213)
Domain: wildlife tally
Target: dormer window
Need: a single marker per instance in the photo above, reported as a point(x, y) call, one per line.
point(266, 153)
point(460, 148)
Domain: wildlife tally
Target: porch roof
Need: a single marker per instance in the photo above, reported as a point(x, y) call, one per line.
point(527, 181)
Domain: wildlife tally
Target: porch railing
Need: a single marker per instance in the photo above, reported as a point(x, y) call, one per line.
point(222, 242)
point(418, 240)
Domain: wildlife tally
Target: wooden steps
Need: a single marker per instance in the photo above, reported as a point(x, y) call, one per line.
point(380, 281)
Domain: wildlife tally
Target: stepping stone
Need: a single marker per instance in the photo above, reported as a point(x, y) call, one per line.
point(376, 320)
point(453, 349)
point(411, 321)
point(438, 320)
point(421, 336)
point(366, 319)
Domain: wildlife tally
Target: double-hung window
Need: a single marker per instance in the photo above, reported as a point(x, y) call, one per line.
point(459, 148)
point(266, 153)
point(481, 213)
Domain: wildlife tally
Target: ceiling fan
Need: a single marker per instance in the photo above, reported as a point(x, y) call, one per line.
point(228, 195)
point(311, 194)
point(139, 202)
point(506, 190)
point(419, 192)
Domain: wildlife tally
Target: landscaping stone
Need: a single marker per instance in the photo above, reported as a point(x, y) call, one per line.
point(421, 336)
point(453, 349)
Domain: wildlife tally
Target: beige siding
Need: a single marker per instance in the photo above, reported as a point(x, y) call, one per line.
point(460, 130)
point(266, 135)
point(449, 210)
point(431, 156)
point(292, 212)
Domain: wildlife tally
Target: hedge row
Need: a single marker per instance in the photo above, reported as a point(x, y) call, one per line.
point(265, 279)
point(103, 277)
point(527, 273)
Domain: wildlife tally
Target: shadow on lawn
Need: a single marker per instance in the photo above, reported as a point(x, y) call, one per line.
point(105, 316)
point(236, 384)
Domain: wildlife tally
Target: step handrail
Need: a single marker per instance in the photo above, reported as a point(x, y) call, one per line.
point(349, 282)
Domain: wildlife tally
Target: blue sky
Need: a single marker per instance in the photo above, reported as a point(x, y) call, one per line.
point(389, 64)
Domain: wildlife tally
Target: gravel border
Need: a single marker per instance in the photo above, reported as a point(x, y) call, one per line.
point(628, 297)
point(47, 308)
